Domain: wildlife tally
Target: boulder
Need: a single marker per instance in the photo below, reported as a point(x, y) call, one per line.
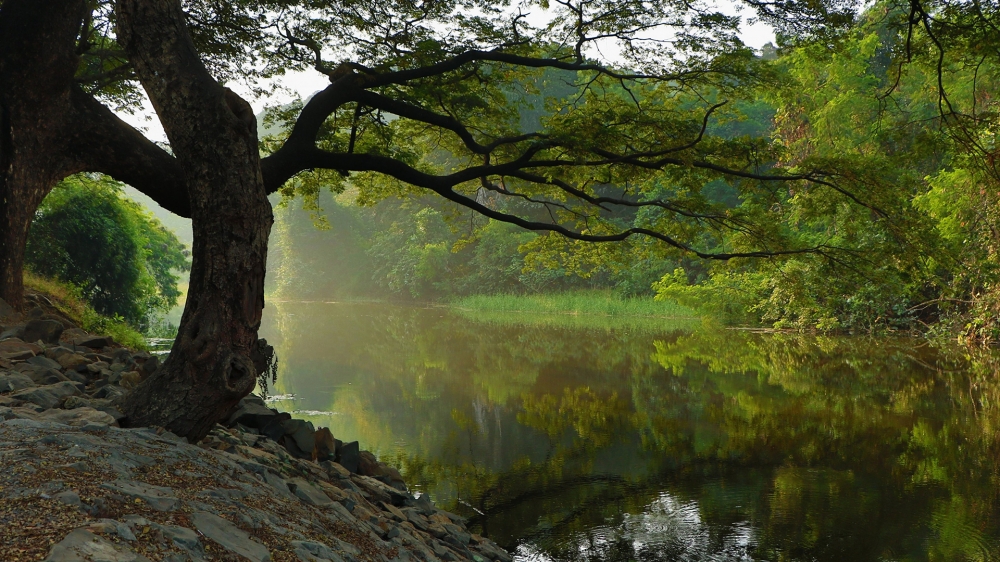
point(11, 345)
point(48, 396)
point(252, 415)
point(77, 417)
point(82, 545)
point(304, 438)
point(325, 447)
point(308, 493)
point(42, 361)
point(229, 536)
point(149, 366)
point(158, 497)
point(44, 330)
point(46, 376)
point(6, 310)
point(93, 342)
point(15, 381)
point(368, 465)
point(349, 456)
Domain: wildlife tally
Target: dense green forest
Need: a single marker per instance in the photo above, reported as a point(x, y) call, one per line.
point(916, 245)
point(919, 242)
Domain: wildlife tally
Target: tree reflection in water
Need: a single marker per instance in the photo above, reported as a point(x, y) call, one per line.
point(632, 443)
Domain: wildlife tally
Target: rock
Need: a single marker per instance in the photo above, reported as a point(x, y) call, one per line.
point(229, 536)
point(325, 446)
point(12, 332)
point(93, 342)
point(183, 538)
point(6, 310)
point(368, 465)
point(45, 376)
point(47, 331)
point(77, 417)
point(70, 335)
point(149, 366)
point(349, 456)
point(335, 470)
point(48, 396)
point(15, 345)
point(83, 546)
point(251, 415)
point(109, 391)
point(308, 493)
point(158, 497)
point(311, 551)
point(15, 381)
point(130, 380)
point(278, 483)
point(72, 360)
point(17, 355)
point(43, 362)
point(69, 497)
point(304, 437)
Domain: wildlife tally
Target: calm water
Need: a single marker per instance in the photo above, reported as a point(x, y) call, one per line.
point(643, 443)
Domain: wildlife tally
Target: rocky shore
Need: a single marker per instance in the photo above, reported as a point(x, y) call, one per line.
point(76, 487)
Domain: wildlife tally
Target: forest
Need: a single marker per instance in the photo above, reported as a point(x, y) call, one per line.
point(917, 245)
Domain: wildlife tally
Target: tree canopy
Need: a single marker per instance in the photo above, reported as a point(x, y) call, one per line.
point(637, 139)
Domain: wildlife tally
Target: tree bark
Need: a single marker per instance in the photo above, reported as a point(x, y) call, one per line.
point(37, 64)
point(214, 137)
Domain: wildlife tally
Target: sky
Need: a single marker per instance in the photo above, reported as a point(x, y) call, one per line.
point(303, 84)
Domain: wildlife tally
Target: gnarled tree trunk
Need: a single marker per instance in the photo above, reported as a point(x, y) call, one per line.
point(37, 65)
point(213, 134)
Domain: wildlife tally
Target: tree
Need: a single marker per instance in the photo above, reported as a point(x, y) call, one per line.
point(419, 99)
point(120, 256)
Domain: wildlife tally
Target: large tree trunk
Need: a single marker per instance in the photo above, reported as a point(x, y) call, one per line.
point(37, 65)
point(213, 134)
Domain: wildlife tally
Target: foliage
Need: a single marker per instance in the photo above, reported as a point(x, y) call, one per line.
point(69, 300)
point(123, 260)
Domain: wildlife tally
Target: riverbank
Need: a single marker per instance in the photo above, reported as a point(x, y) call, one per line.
point(577, 303)
point(76, 487)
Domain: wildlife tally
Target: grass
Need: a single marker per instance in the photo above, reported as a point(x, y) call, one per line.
point(66, 298)
point(578, 309)
point(589, 303)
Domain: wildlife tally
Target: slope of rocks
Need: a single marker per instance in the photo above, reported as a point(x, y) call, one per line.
point(75, 487)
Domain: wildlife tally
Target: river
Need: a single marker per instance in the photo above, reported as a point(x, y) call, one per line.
point(573, 438)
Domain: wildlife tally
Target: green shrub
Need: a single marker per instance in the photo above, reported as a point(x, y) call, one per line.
point(121, 258)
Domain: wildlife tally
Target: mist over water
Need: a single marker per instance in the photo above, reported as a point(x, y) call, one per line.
point(687, 442)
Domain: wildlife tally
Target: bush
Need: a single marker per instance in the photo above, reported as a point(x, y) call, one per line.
point(88, 234)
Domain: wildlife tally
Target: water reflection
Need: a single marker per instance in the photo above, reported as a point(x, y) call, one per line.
point(623, 442)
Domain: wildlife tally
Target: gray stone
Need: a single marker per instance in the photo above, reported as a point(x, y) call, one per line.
point(159, 498)
point(47, 331)
point(231, 537)
point(83, 546)
point(308, 493)
point(93, 342)
point(112, 527)
point(251, 414)
point(278, 483)
point(311, 551)
point(15, 381)
point(303, 436)
point(48, 396)
point(349, 456)
point(6, 310)
point(182, 537)
point(77, 417)
point(69, 498)
point(44, 362)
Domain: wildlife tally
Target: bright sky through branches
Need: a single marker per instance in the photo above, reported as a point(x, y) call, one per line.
point(296, 85)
